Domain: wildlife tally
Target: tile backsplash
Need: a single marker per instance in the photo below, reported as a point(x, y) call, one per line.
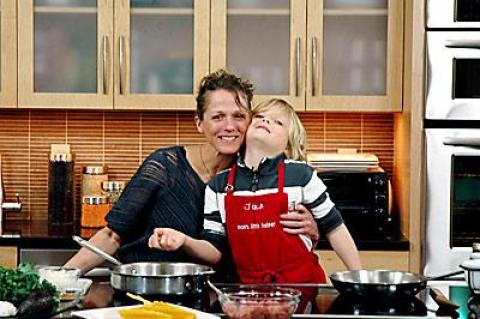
point(122, 140)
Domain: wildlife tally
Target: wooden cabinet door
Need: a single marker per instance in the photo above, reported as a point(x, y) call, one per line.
point(65, 48)
point(163, 52)
point(354, 55)
point(262, 41)
point(8, 54)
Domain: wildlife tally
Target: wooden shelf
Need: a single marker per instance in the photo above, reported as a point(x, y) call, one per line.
point(138, 11)
point(162, 11)
point(258, 12)
point(44, 9)
point(355, 12)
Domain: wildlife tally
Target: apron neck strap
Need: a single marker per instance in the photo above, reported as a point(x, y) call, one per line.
point(281, 174)
point(231, 177)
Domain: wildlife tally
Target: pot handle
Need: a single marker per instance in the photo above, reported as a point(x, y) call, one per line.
point(450, 274)
point(82, 242)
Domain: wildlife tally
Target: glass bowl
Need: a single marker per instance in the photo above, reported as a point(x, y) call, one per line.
point(254, 301)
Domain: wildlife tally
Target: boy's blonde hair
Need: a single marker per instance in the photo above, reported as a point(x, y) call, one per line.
point(297, 136)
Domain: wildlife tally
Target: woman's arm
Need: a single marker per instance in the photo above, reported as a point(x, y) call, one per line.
point(343, 244)
point(170, 239)
point(105, 239)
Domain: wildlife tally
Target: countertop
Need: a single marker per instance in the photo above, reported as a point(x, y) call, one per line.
point(325, 304)
point(38, 234)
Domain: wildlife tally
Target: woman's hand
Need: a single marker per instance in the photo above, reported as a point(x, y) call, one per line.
point(299, 222)
point(166, 239)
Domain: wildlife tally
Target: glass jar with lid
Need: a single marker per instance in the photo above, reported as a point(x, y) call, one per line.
point(94, 210)
point(113, 190)
point(92, 179)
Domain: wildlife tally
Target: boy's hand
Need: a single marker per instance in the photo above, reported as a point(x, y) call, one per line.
point(300, 221)
point(166, 239)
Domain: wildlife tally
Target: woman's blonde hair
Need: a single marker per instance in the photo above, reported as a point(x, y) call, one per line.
point(297, 136)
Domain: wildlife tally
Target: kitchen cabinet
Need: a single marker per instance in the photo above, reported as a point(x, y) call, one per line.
point(8, 57)
point(392, 260)
point(8, 256)
point(322, 55)
point(104, 54)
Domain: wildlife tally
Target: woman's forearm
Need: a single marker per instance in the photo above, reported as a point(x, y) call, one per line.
point(105, 239)
point(343, 244)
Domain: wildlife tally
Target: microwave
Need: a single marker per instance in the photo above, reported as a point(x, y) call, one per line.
point(362, 197)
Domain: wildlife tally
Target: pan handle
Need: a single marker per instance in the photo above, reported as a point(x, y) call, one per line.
point(450, 274)
point(82, 242)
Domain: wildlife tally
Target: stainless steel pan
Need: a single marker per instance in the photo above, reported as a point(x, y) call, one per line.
point(381, 283)
point(154, 278)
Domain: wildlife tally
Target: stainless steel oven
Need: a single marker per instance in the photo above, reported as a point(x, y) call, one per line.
point(453, 14)
point(452, 128)
point(452, 198)
point(453, 69)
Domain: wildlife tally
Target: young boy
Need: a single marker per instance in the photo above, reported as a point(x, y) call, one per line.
point(243, 206)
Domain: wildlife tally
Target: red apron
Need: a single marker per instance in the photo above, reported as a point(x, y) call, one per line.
point(261, 250)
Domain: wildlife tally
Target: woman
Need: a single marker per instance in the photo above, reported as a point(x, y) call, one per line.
point(168, 188)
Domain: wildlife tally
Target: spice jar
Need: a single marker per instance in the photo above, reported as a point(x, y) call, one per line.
point(114, 190)
point(94, 209)
point(92, 179)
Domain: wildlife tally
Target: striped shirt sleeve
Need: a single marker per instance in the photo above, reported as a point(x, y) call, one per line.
point(318, 201)
point(213, 226)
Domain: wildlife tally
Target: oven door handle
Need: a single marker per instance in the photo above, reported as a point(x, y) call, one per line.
point(462, 141)
point(463, 44)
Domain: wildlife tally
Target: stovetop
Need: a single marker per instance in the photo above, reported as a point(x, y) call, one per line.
point(325, 302)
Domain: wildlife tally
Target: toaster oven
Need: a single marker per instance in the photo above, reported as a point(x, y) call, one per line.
point(362, 198)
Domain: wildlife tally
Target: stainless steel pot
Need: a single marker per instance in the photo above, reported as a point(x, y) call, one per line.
point(155, 278)
point(381, 283)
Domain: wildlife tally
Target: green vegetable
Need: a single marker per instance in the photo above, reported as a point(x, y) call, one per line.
point(17, 284)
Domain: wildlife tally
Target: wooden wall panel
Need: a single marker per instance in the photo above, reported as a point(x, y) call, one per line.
point(122, 140)
point(158, 130)
point(14, 152)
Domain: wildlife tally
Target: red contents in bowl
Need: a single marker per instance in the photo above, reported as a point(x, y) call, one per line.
point(258, 310)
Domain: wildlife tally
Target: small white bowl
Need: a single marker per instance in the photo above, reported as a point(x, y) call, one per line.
point(63, 278)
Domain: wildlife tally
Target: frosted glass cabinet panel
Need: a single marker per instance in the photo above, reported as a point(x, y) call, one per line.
point(66, 48)
point(157, 68)
point(8, 54)
point(258, 48)
point(163, 52)
point(354, 55)
point(65, 52)
point(258, 40)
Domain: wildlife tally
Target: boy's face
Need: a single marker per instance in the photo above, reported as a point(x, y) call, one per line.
point(269, 130)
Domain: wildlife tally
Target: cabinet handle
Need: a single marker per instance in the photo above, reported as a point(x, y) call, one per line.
point(104, 63)
point(122, 64)
point(314, 66)
point(297, 66)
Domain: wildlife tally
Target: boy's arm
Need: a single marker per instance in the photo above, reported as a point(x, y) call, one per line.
point(343, 244)
point(170, 239)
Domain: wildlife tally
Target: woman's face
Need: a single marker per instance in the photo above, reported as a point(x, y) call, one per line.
point(224, 122)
